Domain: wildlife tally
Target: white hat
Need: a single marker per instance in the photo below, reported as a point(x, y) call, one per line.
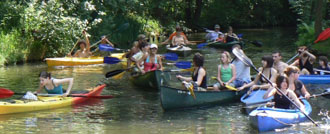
point(153, 46)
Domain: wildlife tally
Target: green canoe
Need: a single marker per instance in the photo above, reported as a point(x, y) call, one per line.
point(182, 51)
point(172, 98)
point(149, 80)
point(226, 46)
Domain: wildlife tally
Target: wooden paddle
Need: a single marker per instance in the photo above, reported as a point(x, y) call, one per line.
point(227, 86)
point(6, 93)
point(242, 57)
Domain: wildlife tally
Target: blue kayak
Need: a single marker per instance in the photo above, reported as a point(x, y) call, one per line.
point(256, 97)
point(268, 119)
point(315, 79)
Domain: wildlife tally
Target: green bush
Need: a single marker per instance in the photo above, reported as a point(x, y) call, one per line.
point(11, 51)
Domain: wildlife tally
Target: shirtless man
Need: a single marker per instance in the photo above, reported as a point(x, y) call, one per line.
point(135, 49)
point(84, 51)
point(279, 65)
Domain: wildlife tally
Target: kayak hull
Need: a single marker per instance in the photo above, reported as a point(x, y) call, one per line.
point(180, 51)
point(268, 119)
point(253, 100)
point(226, 46)
point(45, 103)
point(150, 80)
point(315, 79)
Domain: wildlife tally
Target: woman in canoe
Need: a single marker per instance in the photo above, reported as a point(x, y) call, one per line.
point(323, 62)
point(151, 60)
point(84, 51)
point(282, 102)
point(167, 41)
point(198, 78)
point(52, 85)
point(296, 85)
point(179, 39)
point(268, 71)
point(230, 36)
point(226, 72)
point(305, 61)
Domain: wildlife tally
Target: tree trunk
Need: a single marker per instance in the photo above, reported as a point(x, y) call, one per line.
point(318, 17)
point(198, 10)
point(188, 12)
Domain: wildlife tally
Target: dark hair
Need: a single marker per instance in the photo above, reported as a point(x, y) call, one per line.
point(178, 29)
point(280, 79)
point(44, 74)
point(142, 45)
point(230, 28)
point(269, 60)
point(324, 59)
point(279, 53)
point(82, 41)
point(198, 59)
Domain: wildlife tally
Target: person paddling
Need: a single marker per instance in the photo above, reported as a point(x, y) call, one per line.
point(84, 51)
point(296, 85)
point(305, 61)
point(230, 36)
point(179, 40)
point(169, 40)
point(52, 85)
point(282, 102)
point(151, 60)
point(214, 35)
point(226, 72)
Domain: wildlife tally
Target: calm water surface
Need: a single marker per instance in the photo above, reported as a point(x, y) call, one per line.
point(139, 111)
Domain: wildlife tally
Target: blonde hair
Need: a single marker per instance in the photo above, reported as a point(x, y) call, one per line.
point(228, 57)
point(291, 69)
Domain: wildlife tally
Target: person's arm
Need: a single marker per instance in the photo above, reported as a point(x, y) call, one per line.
point(173, 41)
point(186, 40)
point(39, 89)
point(201, 74)
point(270, 92)
point(219, 75)
point(252, 82)
point(109, 42)
point(76, 54)
point(63, 81)
point(138, 63)
point(305, 92)
point(233, 73)
point(88, 45)
point(312, 57)
point(188, 79)
point(295, 99)
point(159, 59)
point(295, 63)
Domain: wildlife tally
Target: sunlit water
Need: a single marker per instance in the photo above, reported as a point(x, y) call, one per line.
point(139, 111)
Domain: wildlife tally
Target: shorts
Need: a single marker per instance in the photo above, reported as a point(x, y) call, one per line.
point(241, 82)
point(222, 87)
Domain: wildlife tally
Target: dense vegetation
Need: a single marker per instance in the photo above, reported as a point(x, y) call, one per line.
point(35, 29)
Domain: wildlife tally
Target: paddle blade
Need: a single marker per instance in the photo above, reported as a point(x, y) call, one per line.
point(183, 64)
point(171, 56)
point(187, 70)
point(257, 43)
point(239, 35)
point(242, 57)
point(202, 45)
point(5, 93)
point(119, 76)
point(231, 88)
point(105, 47)
point(323, 36)
point(111, 60)
point(113, 73)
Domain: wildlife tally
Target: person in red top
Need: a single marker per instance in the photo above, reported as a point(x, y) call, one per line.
point(151, 61)
point(167, 41)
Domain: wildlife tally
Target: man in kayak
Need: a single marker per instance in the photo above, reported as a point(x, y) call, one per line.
point(84, 51)
point(135, 50)
point(279, 65)
point(305, 61)
point(214, 35)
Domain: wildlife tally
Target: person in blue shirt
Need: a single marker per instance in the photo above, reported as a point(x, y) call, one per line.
point(214, 35)
point(52, 85)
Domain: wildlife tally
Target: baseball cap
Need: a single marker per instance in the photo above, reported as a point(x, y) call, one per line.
point(153, 46)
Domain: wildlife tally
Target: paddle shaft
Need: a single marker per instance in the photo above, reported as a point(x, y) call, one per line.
point(317, 95)
point(72, 95)
point(292, 58)
point(262, 75)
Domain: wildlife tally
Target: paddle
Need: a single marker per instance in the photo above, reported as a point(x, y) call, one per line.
point(105, 47)
point(254, 42)
point(227, 86)
point(181, 64)
point(243, 58)
point(323, 36)
point(116, 72)
point(114, 60)
point(292, 58)
point(320, 70)
point(202, 45)
point(6, 93)
point(325, 94)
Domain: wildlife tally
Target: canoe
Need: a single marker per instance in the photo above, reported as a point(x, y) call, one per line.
point(150, 80)
point(182, 51)
point(267, 119)
point(315, 79)
point(253, 100)
point(75, 61)
point(46, 103)
point(226, 46)
point(173, 98)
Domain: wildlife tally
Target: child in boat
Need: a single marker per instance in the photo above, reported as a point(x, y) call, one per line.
point(226, 72)
point(268, 71)
point(297, 86)
point(143, 50)
point(52, 85)
point(198, 78)
point(151, 60)
point(305, 61)
point(323, 62)
point(84, 51)
point(282, 83)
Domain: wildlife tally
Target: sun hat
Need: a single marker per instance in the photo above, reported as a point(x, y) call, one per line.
point(153, 46)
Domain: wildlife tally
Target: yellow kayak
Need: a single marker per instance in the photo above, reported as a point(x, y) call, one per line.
point(44, 103)
point(75, 61)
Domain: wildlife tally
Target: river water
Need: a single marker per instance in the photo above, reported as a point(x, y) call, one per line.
point(139, 111)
